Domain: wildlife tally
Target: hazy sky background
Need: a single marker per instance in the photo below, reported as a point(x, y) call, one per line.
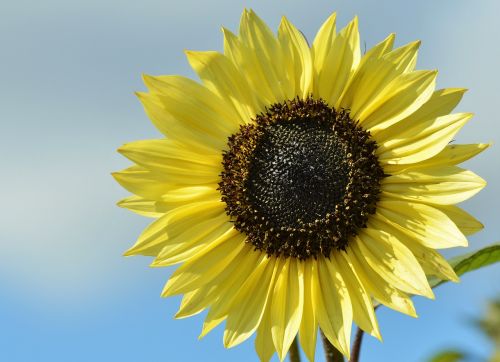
point(68, 70)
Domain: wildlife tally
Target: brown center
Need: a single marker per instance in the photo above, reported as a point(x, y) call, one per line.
point(301, 179)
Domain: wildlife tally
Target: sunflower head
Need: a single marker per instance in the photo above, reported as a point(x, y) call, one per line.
point(301, 179)
point(298, 185)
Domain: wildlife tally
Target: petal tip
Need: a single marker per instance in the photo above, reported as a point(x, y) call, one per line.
point(156, 264)
point(227, 340)
point(204, 331)
point(141, 95)
point(122, 149)
point(166, 292)
point(284, 21)
point(116, 175)
point(468, 115)
point(332, 19)
point(129, 252)
point(428, 293)
point(146, 78)
point(181, 315)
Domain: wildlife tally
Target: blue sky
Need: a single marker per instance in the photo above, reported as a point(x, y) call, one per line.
point(67, 76)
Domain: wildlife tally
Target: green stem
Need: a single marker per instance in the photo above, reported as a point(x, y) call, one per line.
point(356, 347)
point(332, 354)
point(293, 352)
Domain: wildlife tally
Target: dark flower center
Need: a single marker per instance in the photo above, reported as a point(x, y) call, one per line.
point(301, 179)
point(298, 172)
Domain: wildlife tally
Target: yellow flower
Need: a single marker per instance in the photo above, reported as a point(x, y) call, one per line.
point(298, 185)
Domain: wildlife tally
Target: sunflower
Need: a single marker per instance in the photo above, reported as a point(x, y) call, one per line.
point(299, 185)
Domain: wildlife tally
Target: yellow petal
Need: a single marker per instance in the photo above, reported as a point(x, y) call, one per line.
point(439, 185)
point(175, 128)
point(220, 75)
point(298, 55)
point(231, 281)
point(264, 340)
point(242, 57)
point(194, 104)
point(198, 239)
point(373, 74)
point(173, 160)
point(379, 50)
point(287, 305)
point(173, 223)
point(441, 103)
point(418, 142)
point(250, 302)
point(205, 267)
point(175, 197)
point(363, 312)
point(309, 325)
point(449, 156)
point(195, 302)
point(426, 224)
point(265, 52)
point(156, 153)
point(405, 57)
point(400, 98)
point(183, 173)
point(180, 196)
point(141, 206)
point(333, 307)
point(323, 42)
point(392, 261)
point(220, 291)
point(370, 58)
point(145, 183)
point(431, 261)
point(152, 239)
point(467, 223)
point(380, 288)
point(340, 61)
